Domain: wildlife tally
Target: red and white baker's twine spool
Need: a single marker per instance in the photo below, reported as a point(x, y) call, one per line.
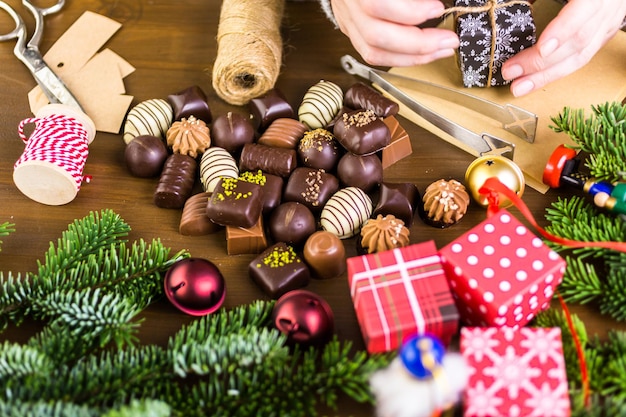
point(50, 170)
point(59, 140)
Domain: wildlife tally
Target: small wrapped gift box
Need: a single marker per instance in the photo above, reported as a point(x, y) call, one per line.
point(490, 32)
point(399, 293)
point(514, 372)
point(500, 273)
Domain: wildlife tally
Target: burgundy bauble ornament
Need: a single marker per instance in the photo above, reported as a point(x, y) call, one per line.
point(304, 317)
point(195, 286)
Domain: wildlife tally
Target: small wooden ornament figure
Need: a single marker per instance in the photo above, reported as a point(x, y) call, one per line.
point(422, 381)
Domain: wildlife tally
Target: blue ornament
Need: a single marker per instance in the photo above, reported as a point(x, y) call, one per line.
point(422, 356)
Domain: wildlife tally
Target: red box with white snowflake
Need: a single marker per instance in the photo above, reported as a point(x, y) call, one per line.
point(515, 372)
point(500, 273)
point(400, 293)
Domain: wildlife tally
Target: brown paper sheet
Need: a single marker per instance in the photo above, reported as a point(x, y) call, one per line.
point(602, 80)
point(95, 78)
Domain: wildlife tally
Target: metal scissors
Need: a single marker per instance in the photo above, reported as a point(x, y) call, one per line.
point(53, 87)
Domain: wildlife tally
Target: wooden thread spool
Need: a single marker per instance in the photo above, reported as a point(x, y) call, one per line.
point(50, 171)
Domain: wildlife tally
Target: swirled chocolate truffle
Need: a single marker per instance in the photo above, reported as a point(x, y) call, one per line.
point(383, 233)
point(189, 136)
point(445, 203)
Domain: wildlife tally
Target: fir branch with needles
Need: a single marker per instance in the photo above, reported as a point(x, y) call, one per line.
point(606, 366)
point(86, 360)
point(6, 228)
point(602, 135)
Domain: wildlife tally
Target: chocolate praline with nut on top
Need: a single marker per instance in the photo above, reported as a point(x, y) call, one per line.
point(235, 202)
point(311, 187)
point(361, 132)
point(319, 149)
point(445, 203)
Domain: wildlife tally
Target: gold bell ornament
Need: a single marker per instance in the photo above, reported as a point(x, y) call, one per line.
point(489, 166)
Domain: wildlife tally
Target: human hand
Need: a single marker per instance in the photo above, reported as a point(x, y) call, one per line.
point(568, 43)
point(385, 33)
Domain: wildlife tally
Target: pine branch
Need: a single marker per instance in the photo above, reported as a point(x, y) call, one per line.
point(5, 229)
point(90, 256)
point(577, 219)
point(602, 134)
point(606, 364)
point(85, 362)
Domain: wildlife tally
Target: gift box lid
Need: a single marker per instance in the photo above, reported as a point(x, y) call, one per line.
point(515, 372)
point(401, 292)
point(502, 271)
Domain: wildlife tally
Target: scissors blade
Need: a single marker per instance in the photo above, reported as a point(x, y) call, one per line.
point(53, 87)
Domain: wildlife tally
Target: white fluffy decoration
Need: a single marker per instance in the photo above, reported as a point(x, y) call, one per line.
point(400, 394)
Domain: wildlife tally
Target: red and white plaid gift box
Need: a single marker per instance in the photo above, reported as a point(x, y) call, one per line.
point(500, 273)
point(515, 372)
point(400, 293)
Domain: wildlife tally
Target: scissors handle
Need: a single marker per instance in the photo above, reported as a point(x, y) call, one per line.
point(39, 13)
point(19, 32)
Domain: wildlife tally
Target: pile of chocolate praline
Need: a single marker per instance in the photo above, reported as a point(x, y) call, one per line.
point(288, 185)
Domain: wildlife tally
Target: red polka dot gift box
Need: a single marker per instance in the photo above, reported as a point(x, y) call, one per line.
point(399, 293)
point(500, 273)
point(514, 372)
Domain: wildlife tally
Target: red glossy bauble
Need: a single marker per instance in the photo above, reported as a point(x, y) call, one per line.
point(195, 286)
point(304, 317)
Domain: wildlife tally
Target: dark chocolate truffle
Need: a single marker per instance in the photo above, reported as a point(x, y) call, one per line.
point(362, 96)
point(269, 107)
point(325, 254)
point(319, 149)
point(231, 131)
point(190, 102)
point(291, 223)
point(364, 172)
point(311, 187)
point(278, 270)
point(362, 132)
point(399, 199)
point(235, 203)
point(145, 155)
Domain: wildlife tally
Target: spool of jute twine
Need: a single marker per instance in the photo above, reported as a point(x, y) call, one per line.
point(249, 49)
point(50, 171)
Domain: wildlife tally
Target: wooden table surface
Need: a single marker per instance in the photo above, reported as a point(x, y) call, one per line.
point(172, 45)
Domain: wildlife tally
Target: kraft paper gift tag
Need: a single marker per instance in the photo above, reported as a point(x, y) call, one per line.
point(601, 80)
point(95, 78)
